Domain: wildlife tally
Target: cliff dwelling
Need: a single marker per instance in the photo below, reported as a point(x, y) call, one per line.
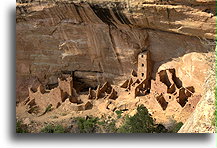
point(104, 59)
point(144, 65)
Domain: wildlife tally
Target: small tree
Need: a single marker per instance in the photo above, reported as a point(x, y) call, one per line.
point(87, 125)
point(141, 122)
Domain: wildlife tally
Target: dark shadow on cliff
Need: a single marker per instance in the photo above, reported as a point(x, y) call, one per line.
point(105, 14)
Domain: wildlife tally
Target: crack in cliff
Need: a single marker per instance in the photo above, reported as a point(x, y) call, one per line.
point(114, 47)
point(120, 16)
point(53, 31)
point(112, 40)
point(77, 10)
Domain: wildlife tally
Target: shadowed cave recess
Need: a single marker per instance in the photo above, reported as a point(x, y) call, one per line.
point(94, 58)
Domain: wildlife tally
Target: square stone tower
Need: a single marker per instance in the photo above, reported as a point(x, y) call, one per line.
point(144, 65)
point(66, 85)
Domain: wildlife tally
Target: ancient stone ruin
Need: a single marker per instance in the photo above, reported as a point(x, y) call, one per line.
point(144, 65)
point(106, 91)
point(165, 95)
point(167, 89)
point(40, 98)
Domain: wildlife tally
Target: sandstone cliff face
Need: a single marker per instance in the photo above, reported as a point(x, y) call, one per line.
point(103, 43)
point(101, 40)
point(202, 120)
point(70, 37)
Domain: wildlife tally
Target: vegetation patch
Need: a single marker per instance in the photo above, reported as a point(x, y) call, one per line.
point(87, 125)
point(53, 129)
point(21, 128)
point(107, 126)
point(177, 127)
point(119, 112)
point(141, 122)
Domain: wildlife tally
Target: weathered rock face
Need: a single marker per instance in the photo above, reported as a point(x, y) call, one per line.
point(192, 17)
point(203, 119)
point(101, 42)
point(70, 37)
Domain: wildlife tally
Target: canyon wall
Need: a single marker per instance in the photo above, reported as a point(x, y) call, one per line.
point(101, 41)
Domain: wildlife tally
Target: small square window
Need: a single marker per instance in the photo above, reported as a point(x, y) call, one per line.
point(142, 74)
point(142, 56)
point(142, 65)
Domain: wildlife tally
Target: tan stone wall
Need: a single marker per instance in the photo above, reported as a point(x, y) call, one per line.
point(144, 65)
point(66, 85)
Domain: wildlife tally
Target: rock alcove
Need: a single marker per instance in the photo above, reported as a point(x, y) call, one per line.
point(114, 55)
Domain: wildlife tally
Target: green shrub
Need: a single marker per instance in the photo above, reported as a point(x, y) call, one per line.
point(111, 127)
point(177, 127)
point(160, 129)
point(108, 126)
point(141, 122)
point(53, 129)
point(21, 128)
point(118, 112)
point(86, 125)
